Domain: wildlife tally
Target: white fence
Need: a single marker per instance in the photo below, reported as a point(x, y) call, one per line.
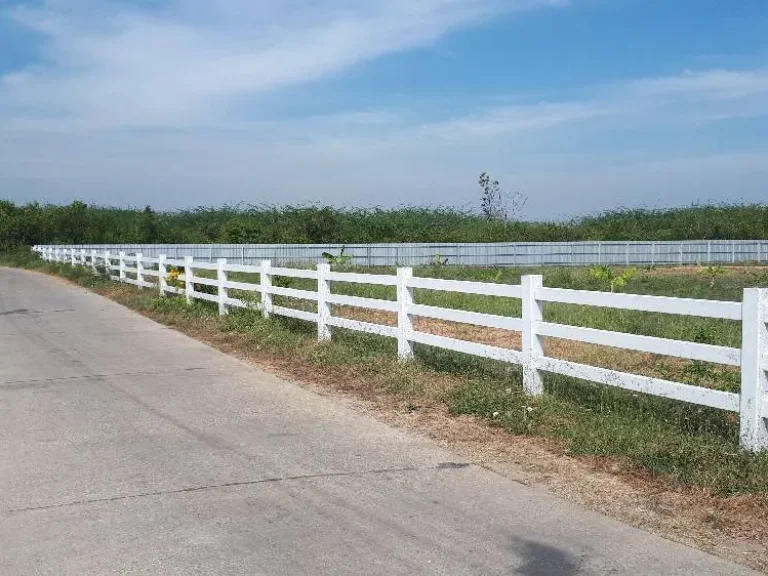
point(466, 254)
point(751, 403)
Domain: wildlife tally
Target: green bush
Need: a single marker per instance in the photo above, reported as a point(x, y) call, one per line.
point(79, 223)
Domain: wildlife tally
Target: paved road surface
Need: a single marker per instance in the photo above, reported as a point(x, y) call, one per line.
point(128, 448)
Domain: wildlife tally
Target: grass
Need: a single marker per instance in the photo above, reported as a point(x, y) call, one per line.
point(684, 445)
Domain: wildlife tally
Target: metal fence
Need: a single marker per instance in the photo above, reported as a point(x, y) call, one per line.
point(524, 254)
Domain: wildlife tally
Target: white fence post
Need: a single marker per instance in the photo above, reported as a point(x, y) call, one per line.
point(221, 276)
point(139, 270)
point(189, 273)
point(323, 307)
point(72, 257)
point(121, 264)
point(162, 274)
point(404, 319)
point(107, 262)
point(754, 381)
point(266, 287)
point(93, 262)
point(532, 343)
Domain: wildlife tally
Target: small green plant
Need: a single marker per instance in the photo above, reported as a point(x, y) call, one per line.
point(341, 259)
point(252, 300)
point(760, 278)
point(438, 260)
point(172, 277)
point(661, 366)
point(206, 289)
point(700, 373)
point(712, 273)
point(614, 280)
point(695, 372)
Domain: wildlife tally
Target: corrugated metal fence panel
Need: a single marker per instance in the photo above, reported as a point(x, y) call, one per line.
point(523, 254)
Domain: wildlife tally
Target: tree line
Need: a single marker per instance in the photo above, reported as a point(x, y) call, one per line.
point(78, 223)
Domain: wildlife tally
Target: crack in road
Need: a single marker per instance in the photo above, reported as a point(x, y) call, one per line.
point(19, 384)
point(19, 311)
point(28, 311)
point(441, 467)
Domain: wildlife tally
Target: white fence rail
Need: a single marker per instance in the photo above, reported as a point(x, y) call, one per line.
point(639, 253)
point(751, 403)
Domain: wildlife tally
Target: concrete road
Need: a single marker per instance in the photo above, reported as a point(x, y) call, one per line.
point(128, 448)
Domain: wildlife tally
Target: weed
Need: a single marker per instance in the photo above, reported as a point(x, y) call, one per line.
point(712, 273)
point(172, 278)
point(342, 259)
point(439, 260)
point(613, 279)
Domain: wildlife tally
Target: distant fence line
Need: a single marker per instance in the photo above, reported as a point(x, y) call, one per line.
point(529, 254)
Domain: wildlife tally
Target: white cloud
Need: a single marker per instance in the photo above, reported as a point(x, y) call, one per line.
point(112, 65)
point(192, 63)
point(686, 98)
point(709, 85)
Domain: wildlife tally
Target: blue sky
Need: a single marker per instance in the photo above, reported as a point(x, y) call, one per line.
point(582, 105)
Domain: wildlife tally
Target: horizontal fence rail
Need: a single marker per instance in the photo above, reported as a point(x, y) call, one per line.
point(530, 254)
point(181, 275)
